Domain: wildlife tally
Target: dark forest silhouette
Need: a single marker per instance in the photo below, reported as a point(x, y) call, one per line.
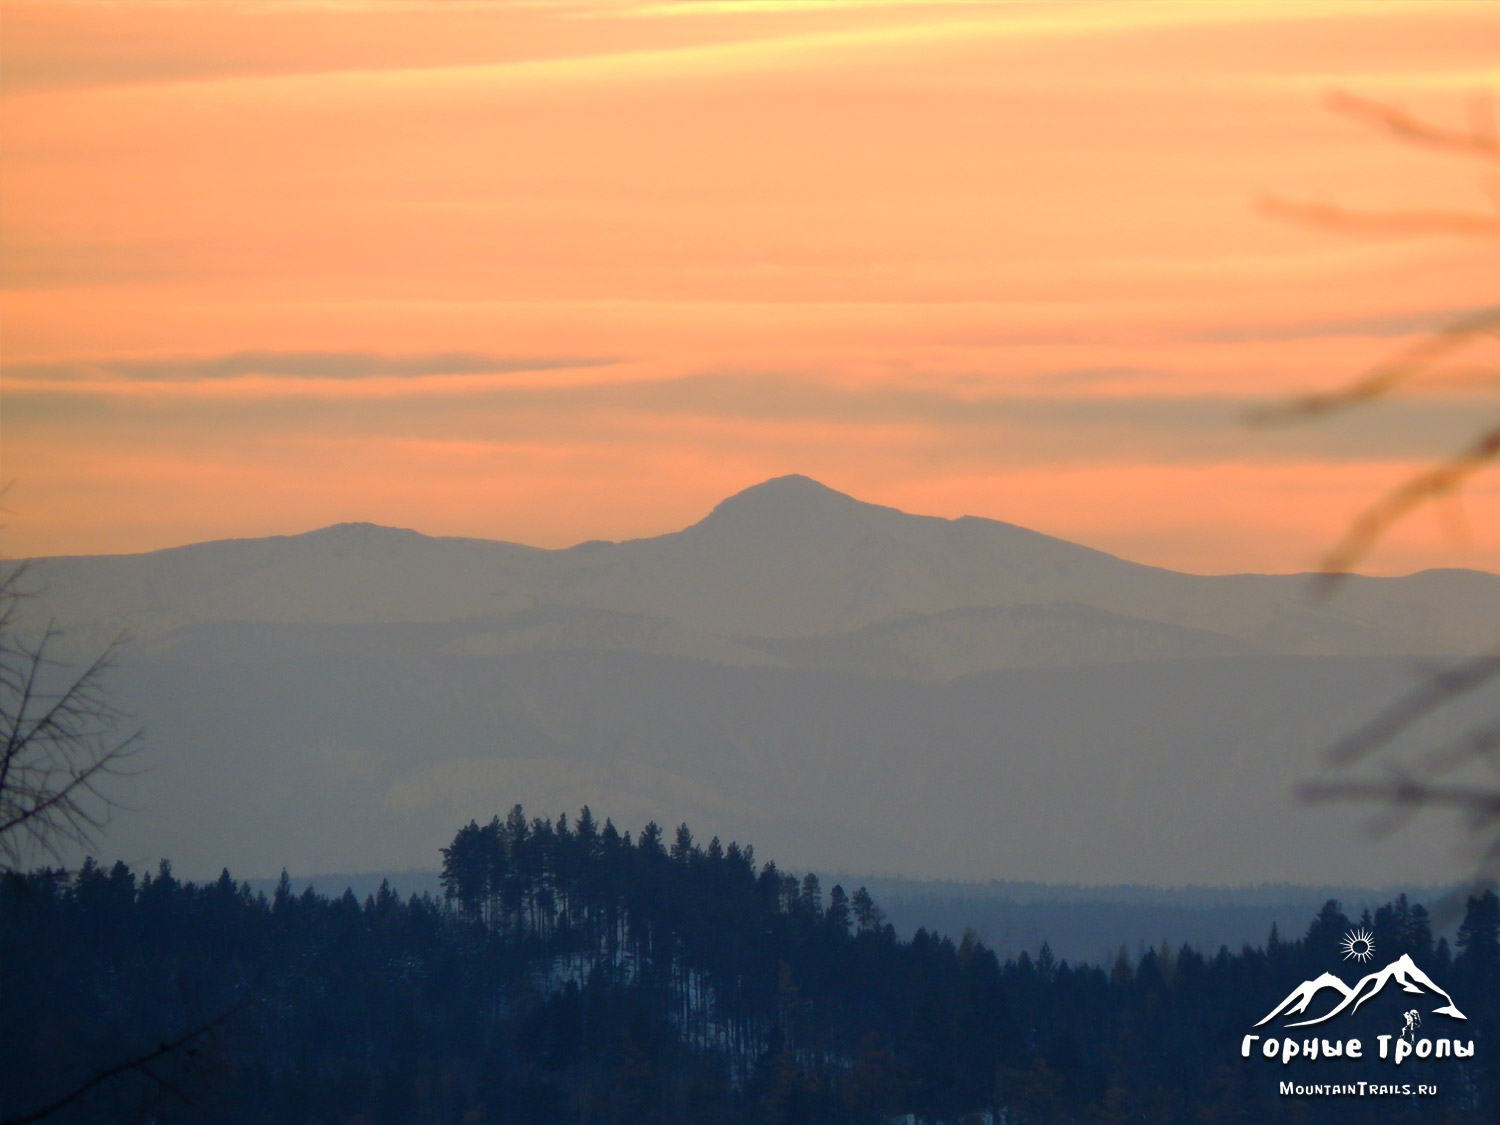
point(574, 974)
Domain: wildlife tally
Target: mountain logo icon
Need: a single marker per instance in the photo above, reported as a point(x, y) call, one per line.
point(1402, 971)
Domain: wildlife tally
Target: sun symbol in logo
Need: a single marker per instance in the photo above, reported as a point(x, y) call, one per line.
point(1359, 945)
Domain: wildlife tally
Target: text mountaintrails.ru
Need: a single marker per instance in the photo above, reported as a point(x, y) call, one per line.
point(1358, 1090)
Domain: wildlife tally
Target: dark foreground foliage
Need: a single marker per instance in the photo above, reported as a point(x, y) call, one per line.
point(574, 975)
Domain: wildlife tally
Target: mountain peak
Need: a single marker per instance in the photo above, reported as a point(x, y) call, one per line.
point(351, 529)
point(791, 487)
point(358, 538)
point(789, 499)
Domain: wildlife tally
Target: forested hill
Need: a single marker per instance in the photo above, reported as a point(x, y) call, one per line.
point(571, 973)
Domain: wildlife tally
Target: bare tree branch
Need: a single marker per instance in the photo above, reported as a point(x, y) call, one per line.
point(59, 740)
point(59, 745)
point(140, 1063)
point(1371, 524)
point(1433, 781)
point(1427, 698)
point(1480, 744)
point(1381, 222)
point(1380, 381)
point(1480, 140)
point(1409, 792)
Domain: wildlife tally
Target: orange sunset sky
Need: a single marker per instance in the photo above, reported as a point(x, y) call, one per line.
point(555, 271)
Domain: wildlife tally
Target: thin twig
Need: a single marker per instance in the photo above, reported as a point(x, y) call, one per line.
point(1408, 792)
point(57, 741)
point(1438, 690)
point(1373, 522)
point(1480, 141)
point(1387, 377)
point(140, 1062)
point(1408, 789)
point(1401, 223)
point(1482, 743)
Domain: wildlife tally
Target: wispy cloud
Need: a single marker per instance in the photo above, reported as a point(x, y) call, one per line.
point(295, 365)
point(1387, 324)
point(734, 39)
point(947, 418)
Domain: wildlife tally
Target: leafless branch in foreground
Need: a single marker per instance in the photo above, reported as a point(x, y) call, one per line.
point(1381, 222)
point(59, 740)
point(1380, 381)
point(140, 1063)
point(1402, 797)
point(1444, 478)
point(1416, 705)
point(1481, 140)
point(1436, 780)
point(1415, 361)
point(59, 746)
point(1372, 523)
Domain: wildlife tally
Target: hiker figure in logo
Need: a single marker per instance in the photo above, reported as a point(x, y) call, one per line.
point(1413, 1021)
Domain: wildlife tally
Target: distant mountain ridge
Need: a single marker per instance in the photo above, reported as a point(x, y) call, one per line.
point(850, 685)
point(781, 563)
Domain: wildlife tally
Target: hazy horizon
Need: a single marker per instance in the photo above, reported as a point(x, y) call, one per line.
point(838, 682)
point(592, 540)
point(553, 272)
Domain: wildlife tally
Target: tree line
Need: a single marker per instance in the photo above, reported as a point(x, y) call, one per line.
point(572, 973)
